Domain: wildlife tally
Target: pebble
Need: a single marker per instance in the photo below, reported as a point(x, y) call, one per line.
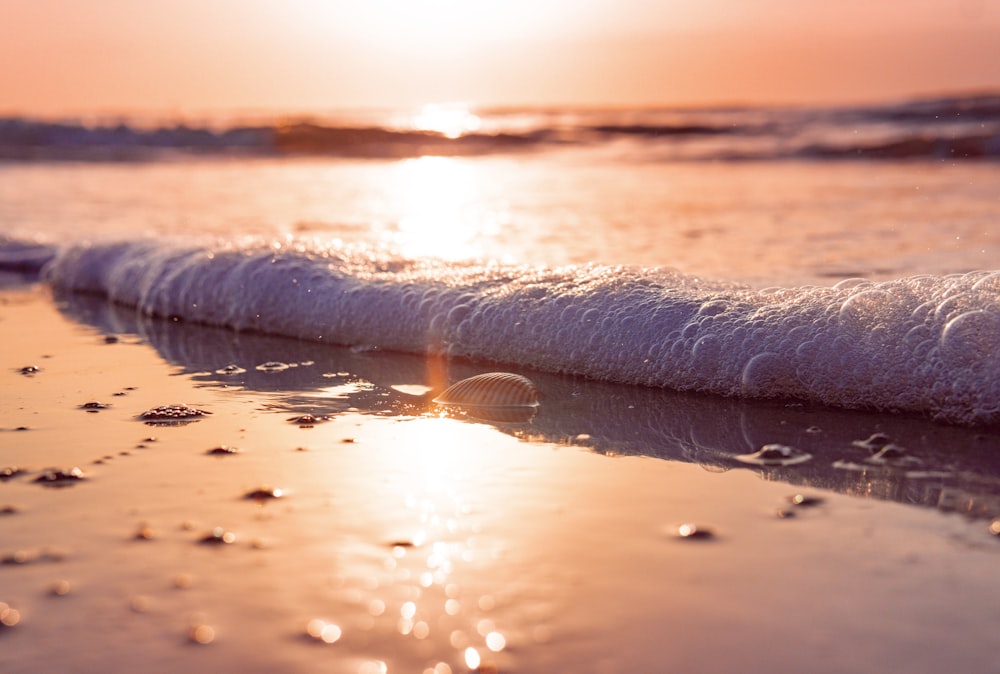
point(264, 494)
point(54, 477)
point(694, 532)
point(9, 472)
point(218, 536)
point(804, 501)
point(308, 420)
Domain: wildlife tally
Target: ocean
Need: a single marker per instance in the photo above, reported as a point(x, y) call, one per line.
point(840, 256)
point(755, 354)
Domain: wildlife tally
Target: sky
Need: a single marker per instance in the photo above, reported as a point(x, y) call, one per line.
point(180, 56)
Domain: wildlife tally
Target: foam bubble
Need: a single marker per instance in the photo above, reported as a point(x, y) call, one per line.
point(924, 344)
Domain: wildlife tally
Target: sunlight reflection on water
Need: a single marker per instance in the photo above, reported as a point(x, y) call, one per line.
point(444, 212)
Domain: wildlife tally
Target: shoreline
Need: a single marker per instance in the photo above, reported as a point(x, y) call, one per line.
point(420, 536)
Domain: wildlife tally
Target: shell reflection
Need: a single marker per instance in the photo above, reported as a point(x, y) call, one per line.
point(775, 455)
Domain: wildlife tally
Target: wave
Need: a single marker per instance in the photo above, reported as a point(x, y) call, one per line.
point(23, 139)
point(926, 345)
point(954, 128)
point(607, 418)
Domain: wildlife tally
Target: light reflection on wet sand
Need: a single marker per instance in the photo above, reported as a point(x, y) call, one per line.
point(432, 544)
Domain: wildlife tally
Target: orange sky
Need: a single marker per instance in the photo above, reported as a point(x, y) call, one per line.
point(316, 55)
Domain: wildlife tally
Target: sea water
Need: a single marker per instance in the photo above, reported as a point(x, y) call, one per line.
point(842, 256)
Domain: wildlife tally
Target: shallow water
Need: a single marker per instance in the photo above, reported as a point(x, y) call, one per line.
point(553, 543)
point(764, 223)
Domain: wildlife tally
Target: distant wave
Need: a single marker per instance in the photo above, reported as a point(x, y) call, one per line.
point(920, 146)
point(954, 128)
point(23, 139)
point(925, 345)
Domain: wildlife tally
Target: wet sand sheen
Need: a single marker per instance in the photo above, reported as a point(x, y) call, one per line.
point(411, 542)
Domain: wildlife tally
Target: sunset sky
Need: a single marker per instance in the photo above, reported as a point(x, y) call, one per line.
point(317, 55)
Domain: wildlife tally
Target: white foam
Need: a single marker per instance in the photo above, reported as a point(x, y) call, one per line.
point(924, 344)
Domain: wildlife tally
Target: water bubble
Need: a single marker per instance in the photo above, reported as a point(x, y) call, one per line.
point(971, 337)
point(223, 450)
point(29, 370)
point(94, 406)
point(988, 283)
point(768, 375)
point(230, 370)
point(863, 309)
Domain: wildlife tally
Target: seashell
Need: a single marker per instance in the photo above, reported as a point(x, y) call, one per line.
point(171, 415)
point(492, 389)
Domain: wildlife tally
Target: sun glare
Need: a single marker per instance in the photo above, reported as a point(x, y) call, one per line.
point(442, 213)
point(449, 119)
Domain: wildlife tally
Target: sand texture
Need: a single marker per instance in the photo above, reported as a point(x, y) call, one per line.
point(385, 534)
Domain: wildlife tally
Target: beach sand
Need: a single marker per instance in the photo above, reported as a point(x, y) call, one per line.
point(404, 539)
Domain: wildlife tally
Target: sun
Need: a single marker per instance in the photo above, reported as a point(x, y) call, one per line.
point(448, 119)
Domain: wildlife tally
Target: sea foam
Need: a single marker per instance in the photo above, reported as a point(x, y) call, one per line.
point(928, 345)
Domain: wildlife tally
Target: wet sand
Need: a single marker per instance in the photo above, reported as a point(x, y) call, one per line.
point(391, 536)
